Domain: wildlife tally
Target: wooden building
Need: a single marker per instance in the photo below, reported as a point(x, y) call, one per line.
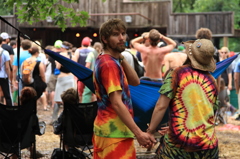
point(139, 17)
point(184, 25)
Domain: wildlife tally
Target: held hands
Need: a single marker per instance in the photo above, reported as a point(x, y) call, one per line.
point(146, 140)
point(163, 130)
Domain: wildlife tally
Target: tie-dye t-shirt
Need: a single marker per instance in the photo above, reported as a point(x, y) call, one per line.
point(193, 95)
point(108, 76)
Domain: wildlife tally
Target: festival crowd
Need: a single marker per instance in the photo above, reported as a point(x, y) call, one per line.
point(189, 91)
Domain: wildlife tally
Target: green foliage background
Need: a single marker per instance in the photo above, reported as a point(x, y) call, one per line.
point(188, 6)
point(37, 10)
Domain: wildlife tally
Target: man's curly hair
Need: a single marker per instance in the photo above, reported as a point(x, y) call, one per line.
point(204, 33)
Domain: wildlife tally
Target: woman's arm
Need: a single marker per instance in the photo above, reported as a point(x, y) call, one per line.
point(158, 113)
point(230, 81)
point(236, 81)
point(42, 72)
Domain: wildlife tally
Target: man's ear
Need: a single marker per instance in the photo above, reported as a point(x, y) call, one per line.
point(104, 39)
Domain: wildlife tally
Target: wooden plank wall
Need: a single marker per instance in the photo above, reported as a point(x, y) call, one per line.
point(220, 23)
point(158, 13)
point(6, 28)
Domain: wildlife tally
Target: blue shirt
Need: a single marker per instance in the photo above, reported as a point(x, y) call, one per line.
point(237, 67)
point(23, 56)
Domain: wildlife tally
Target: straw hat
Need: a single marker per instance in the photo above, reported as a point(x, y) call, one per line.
point(200, 53)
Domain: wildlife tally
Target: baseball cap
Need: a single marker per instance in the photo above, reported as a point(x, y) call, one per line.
point(58, 44)
point(181, 48)
point(5, 35)
point(86, 41)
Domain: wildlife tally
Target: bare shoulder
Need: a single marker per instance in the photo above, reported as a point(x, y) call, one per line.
point(140, 47)
point(184, 55)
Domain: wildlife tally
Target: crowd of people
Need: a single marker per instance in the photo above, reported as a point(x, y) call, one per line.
point(188, 90)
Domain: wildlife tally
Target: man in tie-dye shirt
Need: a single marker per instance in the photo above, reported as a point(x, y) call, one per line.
point(114, 127)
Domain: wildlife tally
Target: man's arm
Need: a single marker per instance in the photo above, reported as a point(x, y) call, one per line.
point(236, 81)
point(136, 43)
point(218, 82)
point(11, 59)
point(42, 71)
point(14, 80)
point(171, 44)
point(7, 69)
point(131, 74)
point(121, 110)
point(76, 55)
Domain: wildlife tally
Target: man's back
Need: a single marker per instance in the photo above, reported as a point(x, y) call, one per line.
point(152, 55)
point(174, 60)
point(152, 58)
point(4, 57)
point(24, 54)
point(82, 54)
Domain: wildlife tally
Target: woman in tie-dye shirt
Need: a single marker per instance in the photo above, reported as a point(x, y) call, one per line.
point(190, 93)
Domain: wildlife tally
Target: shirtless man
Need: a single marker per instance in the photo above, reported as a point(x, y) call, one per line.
point(152, 56)
point(174, 60)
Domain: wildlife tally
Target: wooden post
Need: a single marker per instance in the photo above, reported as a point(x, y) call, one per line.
point(225, 41)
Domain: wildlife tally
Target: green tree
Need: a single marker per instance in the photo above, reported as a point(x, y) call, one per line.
point(187, 6)
point(183, 6)
point(37, 10)
point(5, 10)
point(221, 5)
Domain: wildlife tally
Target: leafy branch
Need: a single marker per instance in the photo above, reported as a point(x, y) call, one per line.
point(31, 11)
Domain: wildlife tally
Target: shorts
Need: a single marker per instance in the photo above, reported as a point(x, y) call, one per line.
point(105, 148)
point(63, 84)
point(164, 151)
point(51, 85)
point(158, 80)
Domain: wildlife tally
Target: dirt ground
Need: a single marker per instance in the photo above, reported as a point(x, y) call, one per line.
point(229, 140)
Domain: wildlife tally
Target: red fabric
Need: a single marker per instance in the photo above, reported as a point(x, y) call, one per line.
point(80, 88)
point(229, 127)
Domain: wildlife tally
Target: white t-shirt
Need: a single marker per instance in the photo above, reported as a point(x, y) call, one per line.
point(4, 58)
point(48, 71)
point(42, 58)
point(129, 58)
